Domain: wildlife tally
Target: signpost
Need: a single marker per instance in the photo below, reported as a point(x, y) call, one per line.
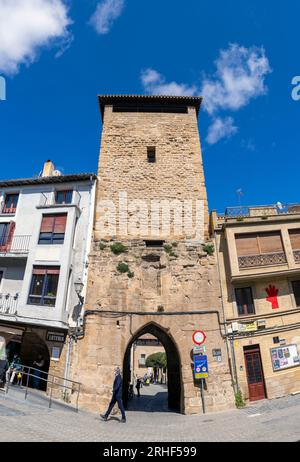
point(200, 361)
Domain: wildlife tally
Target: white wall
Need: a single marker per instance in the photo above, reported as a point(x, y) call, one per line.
point(70, 256)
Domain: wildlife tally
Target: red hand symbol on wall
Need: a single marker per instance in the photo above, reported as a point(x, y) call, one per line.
point(272, 296)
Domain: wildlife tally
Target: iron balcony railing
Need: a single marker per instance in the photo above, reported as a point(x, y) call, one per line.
point(15, 245)
point(49, 199)
point(8, 303)
point(242, 211)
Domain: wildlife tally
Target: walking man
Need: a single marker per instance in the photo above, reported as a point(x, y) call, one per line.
point(116, 397)
point(138, 386)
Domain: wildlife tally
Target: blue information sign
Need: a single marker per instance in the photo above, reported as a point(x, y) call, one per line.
point(200, 367)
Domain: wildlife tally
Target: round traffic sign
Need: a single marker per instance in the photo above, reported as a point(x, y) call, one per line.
point(199, 337)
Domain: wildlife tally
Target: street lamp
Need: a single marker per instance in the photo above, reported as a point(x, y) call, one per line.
point(78, 289)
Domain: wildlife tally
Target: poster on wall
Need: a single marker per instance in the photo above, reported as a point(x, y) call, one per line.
point(284, 357)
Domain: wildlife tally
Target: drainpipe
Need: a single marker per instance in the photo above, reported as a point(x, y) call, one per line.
point(68, 362)
point(234, 380)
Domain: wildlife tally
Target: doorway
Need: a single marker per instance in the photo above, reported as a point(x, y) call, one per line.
point(255, 374)
point(170, 385)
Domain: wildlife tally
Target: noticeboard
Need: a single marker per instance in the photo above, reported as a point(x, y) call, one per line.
point(200, 367)
point(284, 357)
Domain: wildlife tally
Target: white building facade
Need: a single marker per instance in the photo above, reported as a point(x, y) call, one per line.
point(46, 226)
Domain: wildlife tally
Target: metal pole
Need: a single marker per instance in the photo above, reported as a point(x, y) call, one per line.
point(50, 397)
point(27, 382)
point(202, 396)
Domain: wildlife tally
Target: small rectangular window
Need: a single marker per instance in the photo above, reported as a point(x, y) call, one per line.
point(244, 301)
point(43, 288)
point(296, 290)
point(153, 243)
point(64, 197)
point(53, 229)
point(151, 155)
point(10, 203)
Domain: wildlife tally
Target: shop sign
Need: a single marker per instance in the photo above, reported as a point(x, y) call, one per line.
point(284, 357)
point(56, 337)
point(249, 327)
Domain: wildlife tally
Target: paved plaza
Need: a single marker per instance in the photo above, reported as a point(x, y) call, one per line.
point(147, 420)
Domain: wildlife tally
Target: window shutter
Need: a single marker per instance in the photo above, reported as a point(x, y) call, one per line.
point(38, 270)
point(45, 269)
point(246, 244)
point(60, 223)
point(270, 242)
point(10, 235)
point(47, 224)
point(295, 238)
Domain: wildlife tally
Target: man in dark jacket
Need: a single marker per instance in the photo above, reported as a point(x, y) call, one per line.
point(116, 397)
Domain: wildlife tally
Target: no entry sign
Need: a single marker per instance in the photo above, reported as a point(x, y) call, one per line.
point(198, 337)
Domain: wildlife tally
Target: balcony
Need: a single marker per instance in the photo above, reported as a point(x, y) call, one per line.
point(49, 200)
point(18, 245)
point(268, 259)
point(8, 303)
point(261, 211)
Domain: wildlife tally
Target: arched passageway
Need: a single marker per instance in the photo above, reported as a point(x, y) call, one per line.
point(173, 365)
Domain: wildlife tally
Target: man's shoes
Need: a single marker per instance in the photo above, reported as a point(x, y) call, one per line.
point(123, 421)
point(103, 417)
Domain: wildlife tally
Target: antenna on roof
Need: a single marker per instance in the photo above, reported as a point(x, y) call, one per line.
point(239, 193)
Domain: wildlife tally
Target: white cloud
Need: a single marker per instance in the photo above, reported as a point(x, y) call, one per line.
point(106, 13)
point(240, 76)
point(27, 25)
point(221, 128)
point(155, 84)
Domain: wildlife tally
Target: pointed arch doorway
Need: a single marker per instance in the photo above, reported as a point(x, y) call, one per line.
point(174, 382)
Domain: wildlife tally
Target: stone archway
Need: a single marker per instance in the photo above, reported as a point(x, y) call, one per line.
point(32, 346)
point(173, 361)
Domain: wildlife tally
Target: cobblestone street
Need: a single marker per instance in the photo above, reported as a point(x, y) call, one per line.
point(31, 420)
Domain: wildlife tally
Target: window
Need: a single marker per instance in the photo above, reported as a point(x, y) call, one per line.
point(295, 238)
point(64, 197)
point(53, 229)
point(258, 243)
point(244, 301)
point(143, 360)
point(154, 243)
point(151, 155)
point(10, 203)
point(296, 290)
point(43, 286)
point(6, 235)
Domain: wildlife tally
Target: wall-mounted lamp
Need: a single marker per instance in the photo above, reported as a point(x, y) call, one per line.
point(78, 289)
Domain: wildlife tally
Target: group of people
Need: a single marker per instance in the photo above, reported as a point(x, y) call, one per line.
point(12, 371)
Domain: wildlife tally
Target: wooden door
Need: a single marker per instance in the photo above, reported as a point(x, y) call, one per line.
point(255, 374)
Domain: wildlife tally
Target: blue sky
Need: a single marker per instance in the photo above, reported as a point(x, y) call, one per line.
point(57, 63)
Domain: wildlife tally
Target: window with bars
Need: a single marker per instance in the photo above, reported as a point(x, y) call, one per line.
point(244, 301)
point(43, 287)
point(10, 203)
point(53, 229)
point(64, 197)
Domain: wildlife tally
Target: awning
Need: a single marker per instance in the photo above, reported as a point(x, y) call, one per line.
point(10, 330)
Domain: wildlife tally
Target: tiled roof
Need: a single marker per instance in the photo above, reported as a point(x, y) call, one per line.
point(47, 180)
point(186, 100)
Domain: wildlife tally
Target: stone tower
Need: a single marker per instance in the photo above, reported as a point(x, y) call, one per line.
point(148, 270)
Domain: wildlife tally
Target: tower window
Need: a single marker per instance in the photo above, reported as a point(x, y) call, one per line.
point(151, 155)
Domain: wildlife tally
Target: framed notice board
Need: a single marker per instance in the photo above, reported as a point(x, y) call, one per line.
point(284, 357)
